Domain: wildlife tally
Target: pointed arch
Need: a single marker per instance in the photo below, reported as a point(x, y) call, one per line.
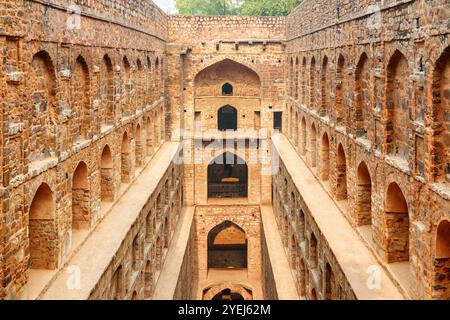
point(107, 91)
point(42, 84)
point(364, 196)
point(81, 198)
point(363, 114)
point(398, 106)
point(340, 91)
point(441, 122)
point(227, 246)
point(107, 175)
point(43, 237)
point(397, 225)
point(208, 82)
point(341, 174)
point(81, 123)
point(227, 177)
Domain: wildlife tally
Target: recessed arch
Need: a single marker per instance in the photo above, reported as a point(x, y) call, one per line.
point(227, 246)
point(363, 112)
point(324, 87)
point(80, 124)
point(81, 196)
point(227, 89)
point(126, 165)
point(364, 196)
point(441, 122)
point(325, 158)
point(107, 90)
point(341, 174)
point(341, 118)
point(443, 240)
point(227, 177)
point(312, 84)
point(303, 138)
point(107, 175)
point(139, 146)
point(42, 86)
point(43, 238)
point(208, 82)
point(397, 225)
point(398, 99)
point(313, 145)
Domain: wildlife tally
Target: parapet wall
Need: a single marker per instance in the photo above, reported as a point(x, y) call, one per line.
point(185, 29)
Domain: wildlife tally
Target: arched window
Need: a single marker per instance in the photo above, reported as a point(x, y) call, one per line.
point(228, 177)
point(227, 118)
point(227, 247)
point(227, 89)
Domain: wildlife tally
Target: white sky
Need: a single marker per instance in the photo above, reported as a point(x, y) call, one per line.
point(167, 5)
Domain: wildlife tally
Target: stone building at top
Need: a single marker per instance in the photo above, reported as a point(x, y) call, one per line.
point(147, 156)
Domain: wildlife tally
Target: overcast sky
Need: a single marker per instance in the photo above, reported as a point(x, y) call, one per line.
point(167, 5)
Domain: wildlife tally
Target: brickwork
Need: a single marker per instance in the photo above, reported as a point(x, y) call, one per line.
point(383, 74)
point(92, 90)
point(68, 98)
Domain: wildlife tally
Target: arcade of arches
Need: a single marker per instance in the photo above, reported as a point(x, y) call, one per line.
point(225, 158)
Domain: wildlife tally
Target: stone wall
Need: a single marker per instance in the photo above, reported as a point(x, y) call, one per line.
point(202, 49)
point(316, 271)
point(78, 91)
point(367, 97)
point(135, 269)
point(245, 217)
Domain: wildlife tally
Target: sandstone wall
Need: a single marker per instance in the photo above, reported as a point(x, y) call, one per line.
point(135, 269)
point(367, 87)
point(198, 47)
point(316, 271)
point(78, 91)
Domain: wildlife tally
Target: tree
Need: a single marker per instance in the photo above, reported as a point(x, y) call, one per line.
point(269, 7)
point(208, 7)
point(237, 7)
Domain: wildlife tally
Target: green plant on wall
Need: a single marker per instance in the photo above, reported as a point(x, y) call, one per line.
point(237, 7)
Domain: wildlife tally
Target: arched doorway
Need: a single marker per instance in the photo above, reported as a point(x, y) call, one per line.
point(227, 118)
point(228, 177)
point(81, 198)
point(364, 196)
point(106, 175)
point(42, 230)
point(227, 247)
point(397, 224)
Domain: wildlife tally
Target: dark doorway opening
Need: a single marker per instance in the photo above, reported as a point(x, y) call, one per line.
point(228, 177)
point(227, 247)
point(227, 118)
point(278, 121)
point(227, 295)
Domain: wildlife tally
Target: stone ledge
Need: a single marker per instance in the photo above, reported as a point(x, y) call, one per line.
point(283, 278)
point(94, 260)
point(353, 256)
